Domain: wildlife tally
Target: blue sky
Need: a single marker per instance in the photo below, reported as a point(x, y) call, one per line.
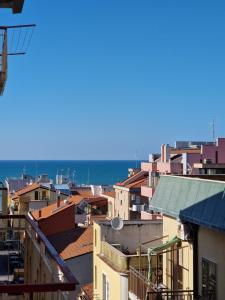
point(108, 79)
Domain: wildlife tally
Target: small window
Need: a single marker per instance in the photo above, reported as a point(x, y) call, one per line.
point(36, 195)
point(208, 279)
point(95, 237)
point(96, 283)
point(105, 287)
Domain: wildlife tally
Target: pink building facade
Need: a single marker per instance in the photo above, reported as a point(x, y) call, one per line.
point(205, 158)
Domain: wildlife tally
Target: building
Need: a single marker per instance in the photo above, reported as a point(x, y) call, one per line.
point(74, 244)
point(14, 184)
point(117, 251)
point(128, 201)
point(186, 158)
point(33, 196)
point(193, 214)
point(110, 196)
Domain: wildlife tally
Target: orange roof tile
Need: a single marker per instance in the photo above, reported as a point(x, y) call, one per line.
point(73, 243)
point(110, 194)
point(49, 210)
point(32, 187)
point(133, 180)
point(27, 189)
point(76, 199)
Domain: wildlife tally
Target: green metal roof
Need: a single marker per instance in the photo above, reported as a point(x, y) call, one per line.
point(191, 199)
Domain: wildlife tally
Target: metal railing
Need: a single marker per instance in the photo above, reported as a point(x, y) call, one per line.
point(27, 229)
point(145, 290)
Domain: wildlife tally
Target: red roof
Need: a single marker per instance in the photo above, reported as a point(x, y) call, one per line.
point(134, 181)
point(49, 210)
point(73, 243)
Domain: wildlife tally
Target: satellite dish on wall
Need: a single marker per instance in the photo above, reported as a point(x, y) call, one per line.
point(117, 223)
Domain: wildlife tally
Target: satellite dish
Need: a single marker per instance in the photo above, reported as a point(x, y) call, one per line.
point(117, 223)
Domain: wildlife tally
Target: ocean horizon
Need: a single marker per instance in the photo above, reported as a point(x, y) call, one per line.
point(96, 172)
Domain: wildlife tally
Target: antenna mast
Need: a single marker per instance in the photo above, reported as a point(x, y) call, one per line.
point(213, 130)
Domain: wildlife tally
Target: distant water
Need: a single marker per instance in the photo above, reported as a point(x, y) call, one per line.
point(83, 171)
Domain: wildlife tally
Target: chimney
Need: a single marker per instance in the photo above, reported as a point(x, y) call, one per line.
point(58, 201)
point(39, 213)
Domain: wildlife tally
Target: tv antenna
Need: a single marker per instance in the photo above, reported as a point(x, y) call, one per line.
point(212, 125)
point(14, 40)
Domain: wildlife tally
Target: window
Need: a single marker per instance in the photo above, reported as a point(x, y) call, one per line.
point(0, 200)
point(105, 287)
point(44, 195)
point(95, 237)
point(96, 283)
point(208, 279)
point(36, 195)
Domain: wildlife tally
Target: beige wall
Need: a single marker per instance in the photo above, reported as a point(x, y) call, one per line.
point(41, 268)
point(122, 203)
point(130, 236)
point(117, 282)
point(211, 246)
point(170, 229)
point(23, 201)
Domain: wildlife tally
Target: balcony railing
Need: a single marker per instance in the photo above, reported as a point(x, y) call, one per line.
point(141, 289)
point(17, 232)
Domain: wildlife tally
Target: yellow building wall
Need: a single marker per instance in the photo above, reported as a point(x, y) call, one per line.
point(170, 229)
point(211, 245)
point(23, 200)
point(122, 203)
point(100, 267)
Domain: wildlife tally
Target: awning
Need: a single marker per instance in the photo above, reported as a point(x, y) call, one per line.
point(157, 249)
point(164, 246)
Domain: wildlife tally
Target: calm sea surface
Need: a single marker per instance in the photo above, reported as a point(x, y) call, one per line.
point(83, 172)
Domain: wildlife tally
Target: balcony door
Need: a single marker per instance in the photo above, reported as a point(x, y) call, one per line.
point(174, 268)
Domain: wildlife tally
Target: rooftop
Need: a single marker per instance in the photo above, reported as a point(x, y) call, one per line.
point(73, 243)
point(50, 210)
point(134, 180)
point(196, 200)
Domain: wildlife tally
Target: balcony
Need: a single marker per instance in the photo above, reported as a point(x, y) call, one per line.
point(141, 289)
point(116, 256)
point(31, 265)
point(137, 207)
point(147, 191)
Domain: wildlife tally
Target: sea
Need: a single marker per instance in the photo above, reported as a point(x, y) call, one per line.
point(96, 172)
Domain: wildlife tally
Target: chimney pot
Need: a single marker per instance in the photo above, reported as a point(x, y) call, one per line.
point(39, 213)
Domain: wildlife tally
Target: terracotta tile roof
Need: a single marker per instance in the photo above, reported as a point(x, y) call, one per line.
point(110, 194)
point(137, 184)
point(73, 243)
point(100, 201)
point(27, 189)
point(131, 181)
point(32, 187)
point(49, 210)
point(88, 291)
point(76, 199)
